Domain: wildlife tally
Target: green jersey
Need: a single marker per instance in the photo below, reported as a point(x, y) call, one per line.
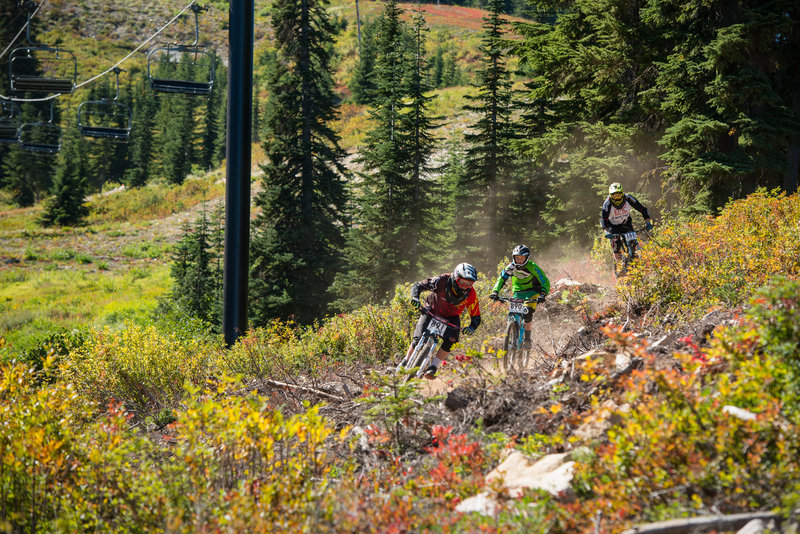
point(526, 279)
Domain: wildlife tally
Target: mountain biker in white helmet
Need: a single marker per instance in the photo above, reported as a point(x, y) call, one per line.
point(615, 217)
point(450, 294)
point(529, 281)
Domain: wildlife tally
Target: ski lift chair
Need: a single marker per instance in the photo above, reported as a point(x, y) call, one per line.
point(58, 66)
point(42, 137)
point(106, 118)
point(164, 62)
point(9, 123)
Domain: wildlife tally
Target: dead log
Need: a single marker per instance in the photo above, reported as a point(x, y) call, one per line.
point(285, 385)
point(695, 525)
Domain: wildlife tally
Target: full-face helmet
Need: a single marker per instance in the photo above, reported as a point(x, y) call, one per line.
point(464, 276)
point(520, 255)
point(616, 194)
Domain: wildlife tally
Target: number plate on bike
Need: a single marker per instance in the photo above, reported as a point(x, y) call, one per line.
point(630, 236)
point(437, 327)
point(516, 307)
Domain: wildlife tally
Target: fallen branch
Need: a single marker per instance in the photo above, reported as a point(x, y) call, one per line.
point(304, 388)
point(702, 524)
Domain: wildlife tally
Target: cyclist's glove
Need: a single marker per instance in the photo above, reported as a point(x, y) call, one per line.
point(609, 235)
point(415, 303)
point(648, 226)
point(468, 330)
point(494, 296)
point(540, 299)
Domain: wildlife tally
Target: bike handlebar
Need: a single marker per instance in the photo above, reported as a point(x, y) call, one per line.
point(509, 299)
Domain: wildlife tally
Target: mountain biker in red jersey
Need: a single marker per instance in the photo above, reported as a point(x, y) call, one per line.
point(449, 295)
point(615, 217)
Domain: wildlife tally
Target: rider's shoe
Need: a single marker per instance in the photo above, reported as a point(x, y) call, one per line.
point(430, 373)
point(526, 344)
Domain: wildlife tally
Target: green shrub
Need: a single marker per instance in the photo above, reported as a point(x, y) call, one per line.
point(691, 266)
point(142, 367)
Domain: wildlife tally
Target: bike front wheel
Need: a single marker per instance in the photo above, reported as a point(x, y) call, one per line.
point(421, 357)
point(510, 345)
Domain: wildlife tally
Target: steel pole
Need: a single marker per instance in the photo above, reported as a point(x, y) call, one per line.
point(237, 188)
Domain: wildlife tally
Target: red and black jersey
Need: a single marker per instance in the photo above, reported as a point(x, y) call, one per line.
point(446, 301)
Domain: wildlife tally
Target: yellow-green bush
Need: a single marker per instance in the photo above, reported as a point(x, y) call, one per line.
point(64, 469)
point(683, 447)
point(239, 465)
point(234, 464)
point(371, 334)
point(142, 367)
point(694, 265)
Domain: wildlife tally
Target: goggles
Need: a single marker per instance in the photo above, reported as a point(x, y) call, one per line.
point(464, 283)
point(617, 196)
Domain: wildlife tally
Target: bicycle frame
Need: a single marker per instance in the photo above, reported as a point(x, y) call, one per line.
point(628, 243)
point(423, 352)
point(516, 313)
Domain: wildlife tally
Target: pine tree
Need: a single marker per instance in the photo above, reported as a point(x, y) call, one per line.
point(378, 250)
point(362, 82)
point(29, 175)
point(214, 120)
point(419, 125)
point(295, 250)
point(67, 205)
point(177, 136)
point(140, 144)
point(736, 125)
point(195, 270)
point(490, 162)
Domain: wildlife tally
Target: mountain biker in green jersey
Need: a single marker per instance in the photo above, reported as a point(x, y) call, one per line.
point(529, 281)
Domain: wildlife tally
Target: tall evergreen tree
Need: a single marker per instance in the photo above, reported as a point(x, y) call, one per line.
point(378, 252)
point(67, 205)
point(362, 82)
point(296, 247)
point(29, 175)
point(489, 157)
point(195, 270)
point(731, 80)
point(214, 120)
point(419, 125)
point(140, 144)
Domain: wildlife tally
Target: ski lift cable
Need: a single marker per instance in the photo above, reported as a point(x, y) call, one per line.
point(24, 27)
point(110, 69)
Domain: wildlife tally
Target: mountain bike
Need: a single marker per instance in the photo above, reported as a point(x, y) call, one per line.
point(427, 346)
point(515, 351)
point(628, 244)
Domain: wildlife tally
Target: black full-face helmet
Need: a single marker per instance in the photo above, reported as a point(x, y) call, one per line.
point(520, 250)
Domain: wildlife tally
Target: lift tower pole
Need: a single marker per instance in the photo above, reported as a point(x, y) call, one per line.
point(237, 188)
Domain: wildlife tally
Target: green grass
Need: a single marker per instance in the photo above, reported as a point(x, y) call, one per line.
point(37, 302)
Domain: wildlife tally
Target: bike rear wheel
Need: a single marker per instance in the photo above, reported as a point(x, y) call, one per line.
point(510, 345)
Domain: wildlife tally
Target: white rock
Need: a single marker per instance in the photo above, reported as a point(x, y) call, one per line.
point(741, 413)
point(552, 473)
point(481, 503)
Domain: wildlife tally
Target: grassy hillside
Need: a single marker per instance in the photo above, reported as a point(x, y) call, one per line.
point(151, 424)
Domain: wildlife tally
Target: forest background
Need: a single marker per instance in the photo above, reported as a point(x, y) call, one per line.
point(437, 139)
point(449, 135)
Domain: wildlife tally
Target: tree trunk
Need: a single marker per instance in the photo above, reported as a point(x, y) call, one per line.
point(793, 156)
